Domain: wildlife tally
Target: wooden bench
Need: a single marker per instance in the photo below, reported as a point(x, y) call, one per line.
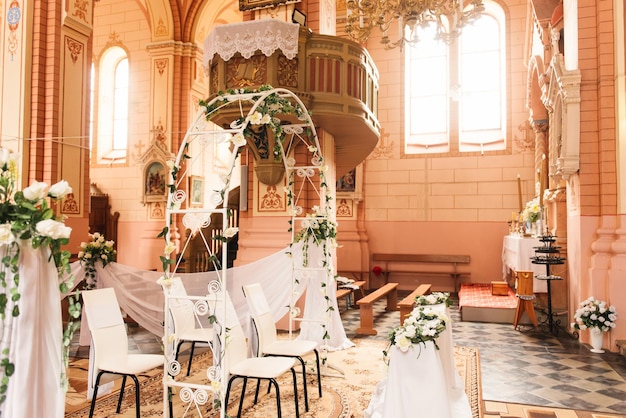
point(449, 265)
point(366, 303)
point(348, 292)
point(407, 304)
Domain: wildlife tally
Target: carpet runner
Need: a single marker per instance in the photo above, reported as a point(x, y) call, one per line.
point(343, 397)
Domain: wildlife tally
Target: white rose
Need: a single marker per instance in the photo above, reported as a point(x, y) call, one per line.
point(403, 344)
point(6, 236)
point(230, 232)
point(60, 190)
point(53, 229)
point(4, 156)
point(169, 248)
point(238, 140)
point(36, 191)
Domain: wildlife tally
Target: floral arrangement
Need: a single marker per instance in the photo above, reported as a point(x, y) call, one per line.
point(435, 298)
point(99, 249)
point(593, 313)
point(422, 325)
point(27, 219)
point(316, 228)
point(532, 211)
point(264, 115)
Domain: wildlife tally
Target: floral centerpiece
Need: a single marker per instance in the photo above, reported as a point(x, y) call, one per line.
point(27, 219)
point(593, 313)
point(435, 298)
point(99, 249)
point(422, 325)
point(532, 211)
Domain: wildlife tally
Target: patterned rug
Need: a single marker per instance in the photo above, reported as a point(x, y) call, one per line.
point(347, 388)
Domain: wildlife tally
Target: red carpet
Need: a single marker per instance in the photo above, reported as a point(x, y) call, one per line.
point(479, 295)
point(476, 303)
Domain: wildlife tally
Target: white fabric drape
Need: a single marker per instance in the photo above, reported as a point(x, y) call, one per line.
point(36, 346)
point(422, 382)
point(142, 298)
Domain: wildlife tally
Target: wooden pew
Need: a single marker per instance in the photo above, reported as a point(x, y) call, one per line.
point(420, 264)
point(407, 304)
point(348, 292)
point(365, 305)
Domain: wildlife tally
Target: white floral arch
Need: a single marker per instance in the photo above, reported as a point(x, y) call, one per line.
point(282, 112)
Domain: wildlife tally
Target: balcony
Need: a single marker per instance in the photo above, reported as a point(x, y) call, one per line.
point(335, 78)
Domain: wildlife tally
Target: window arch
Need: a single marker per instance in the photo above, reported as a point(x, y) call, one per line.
point(456, 93)
point(112, 96)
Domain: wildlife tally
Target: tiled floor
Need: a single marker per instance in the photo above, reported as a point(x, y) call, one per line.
point(532, 368)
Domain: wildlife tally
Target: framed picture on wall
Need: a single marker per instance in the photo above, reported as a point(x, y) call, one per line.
point(196, 191)
point(154, 181)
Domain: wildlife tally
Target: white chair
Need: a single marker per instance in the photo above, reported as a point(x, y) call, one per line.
point(185, 328)
point(269, 345)
point(110, 345)
point(236, 362)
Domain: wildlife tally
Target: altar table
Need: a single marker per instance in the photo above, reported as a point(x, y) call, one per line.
point(516, 256)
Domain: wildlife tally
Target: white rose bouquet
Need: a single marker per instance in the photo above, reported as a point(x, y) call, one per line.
point(422, 325)
point(98, 250)
point(593, 313)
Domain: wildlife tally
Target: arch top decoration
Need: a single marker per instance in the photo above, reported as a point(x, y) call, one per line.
point(211, 152)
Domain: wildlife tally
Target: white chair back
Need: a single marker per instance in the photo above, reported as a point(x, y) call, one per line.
point(261, 315)
point(181, 309)
point(236, 348)
point(108, 333)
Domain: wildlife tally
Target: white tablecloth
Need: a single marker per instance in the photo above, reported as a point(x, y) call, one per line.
point(421, 382)
point(516, 256)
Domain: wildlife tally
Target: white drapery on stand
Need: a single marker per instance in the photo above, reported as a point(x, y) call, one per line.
point(319, 285)
point(422, 382)
point(36, 342)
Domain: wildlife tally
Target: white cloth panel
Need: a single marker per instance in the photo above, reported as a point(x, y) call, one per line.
point(35, 389)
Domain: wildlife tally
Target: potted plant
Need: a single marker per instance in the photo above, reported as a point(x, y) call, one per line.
point(596, 316)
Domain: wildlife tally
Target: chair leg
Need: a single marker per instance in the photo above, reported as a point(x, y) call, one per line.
point(256, 392)
point(243, 393)
point(136, 395)
point(95, 394)
point(306, 392)
point(193, 346)
point(178, 349)
point(273, 382)
point(230, 382)
point(319, 373)
point(295, 392)
point(119, 400)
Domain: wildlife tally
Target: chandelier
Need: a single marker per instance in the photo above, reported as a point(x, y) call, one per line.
point(448, 16)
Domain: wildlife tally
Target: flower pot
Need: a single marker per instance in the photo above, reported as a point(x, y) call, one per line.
point(597, 338)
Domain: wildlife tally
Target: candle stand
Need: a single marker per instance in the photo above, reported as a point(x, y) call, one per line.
point(549, 255)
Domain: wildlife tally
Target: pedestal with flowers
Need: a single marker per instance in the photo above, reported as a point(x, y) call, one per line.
point(33, 345)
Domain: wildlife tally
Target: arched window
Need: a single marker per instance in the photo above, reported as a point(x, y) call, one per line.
point(111, 117)
point(455, 95)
